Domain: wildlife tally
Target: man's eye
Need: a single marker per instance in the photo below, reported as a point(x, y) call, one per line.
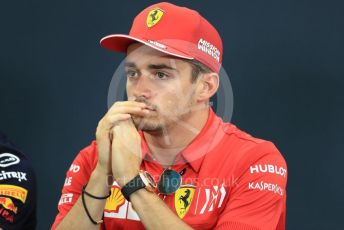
point(161, 75)
point(131, 74)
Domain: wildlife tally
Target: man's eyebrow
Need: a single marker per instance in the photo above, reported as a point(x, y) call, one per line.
point(151, 66)
point(161, 66)
point(130, 64)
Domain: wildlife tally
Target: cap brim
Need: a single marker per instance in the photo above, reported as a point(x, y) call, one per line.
point(120, 43)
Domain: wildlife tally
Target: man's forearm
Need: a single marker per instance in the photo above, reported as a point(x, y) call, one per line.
point(77, 217)
point(154, 213)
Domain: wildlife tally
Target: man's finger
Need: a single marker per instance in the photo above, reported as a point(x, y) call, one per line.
point(127, 104)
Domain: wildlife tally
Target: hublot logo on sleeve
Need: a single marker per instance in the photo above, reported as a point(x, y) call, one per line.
point(268, 168)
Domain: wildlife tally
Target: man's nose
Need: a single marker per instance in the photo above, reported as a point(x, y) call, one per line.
point(143, 86)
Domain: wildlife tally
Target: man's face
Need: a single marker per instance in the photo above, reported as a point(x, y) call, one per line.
point(163, 83)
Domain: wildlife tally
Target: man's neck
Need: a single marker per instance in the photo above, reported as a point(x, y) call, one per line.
point(166, 145)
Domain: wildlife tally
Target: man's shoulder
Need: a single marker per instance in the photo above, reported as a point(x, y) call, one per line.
point(10, 153)
point(232, 130)
point(241, 156)
point(88, 155)
point(12, 157)
point(90, 150)
point(18, 186)
point(241, 147)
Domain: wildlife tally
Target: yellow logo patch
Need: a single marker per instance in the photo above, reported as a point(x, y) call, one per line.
point(183, 198)
point(13, 191)
point(154, 17)
point(115, 201)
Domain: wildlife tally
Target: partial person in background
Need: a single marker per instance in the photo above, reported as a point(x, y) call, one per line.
point(17, 188)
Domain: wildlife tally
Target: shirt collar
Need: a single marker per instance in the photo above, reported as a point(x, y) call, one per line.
point(195, 152)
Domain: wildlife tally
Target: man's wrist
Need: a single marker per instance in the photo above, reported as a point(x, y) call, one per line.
point(142, 180)
point(122, 181)
point(101, 175)
point(101, 170)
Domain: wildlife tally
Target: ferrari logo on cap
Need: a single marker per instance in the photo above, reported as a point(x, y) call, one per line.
point(154, 17)
point(183, 198)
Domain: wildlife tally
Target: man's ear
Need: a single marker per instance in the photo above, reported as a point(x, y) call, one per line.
point(207, 86)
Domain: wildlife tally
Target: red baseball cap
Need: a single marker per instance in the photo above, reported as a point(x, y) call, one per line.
point(174, 30)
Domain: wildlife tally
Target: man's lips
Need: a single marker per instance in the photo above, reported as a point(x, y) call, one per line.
point(151, 108)
point(152, 111)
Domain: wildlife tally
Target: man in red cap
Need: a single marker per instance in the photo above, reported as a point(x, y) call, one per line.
point(164, 159)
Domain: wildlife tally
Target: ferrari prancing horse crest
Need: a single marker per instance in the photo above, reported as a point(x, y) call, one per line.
point(183, 198)
point(154, 17)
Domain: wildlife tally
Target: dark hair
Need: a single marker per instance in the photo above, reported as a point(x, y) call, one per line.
point(197, 69)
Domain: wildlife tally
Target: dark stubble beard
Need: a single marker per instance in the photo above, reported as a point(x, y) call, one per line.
point(147, 125)
point(159, 124)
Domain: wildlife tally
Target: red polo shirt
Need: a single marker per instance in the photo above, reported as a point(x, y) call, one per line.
point(230, 180)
